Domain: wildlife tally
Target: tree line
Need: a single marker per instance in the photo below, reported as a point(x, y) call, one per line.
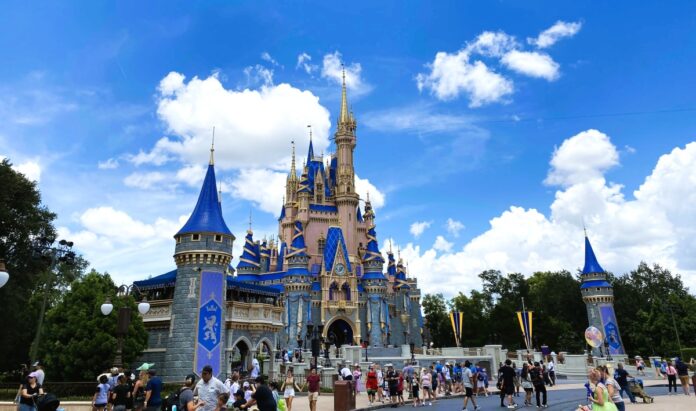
point(654, 309)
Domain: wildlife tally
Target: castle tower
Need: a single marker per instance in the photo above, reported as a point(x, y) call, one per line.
point(346, 197)
point(297, 286)
point(375, 285)
point(598, 296)
point(202, 254)
point(249, 265)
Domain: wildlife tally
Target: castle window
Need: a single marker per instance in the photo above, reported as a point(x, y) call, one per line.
point(178, 239)
point(218, 238)
point(321, 243)
point(333, 292)
point(346, 292)
point(195, 237)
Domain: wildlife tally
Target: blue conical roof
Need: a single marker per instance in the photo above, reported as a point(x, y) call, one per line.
point(372, 253)
point(281, 257)
point(282, 213)
point(207, 216)
point(250, 257)
point(591, 264)
point(297, 246)
point(359, 215)
point(310, 152)
point(391, 268)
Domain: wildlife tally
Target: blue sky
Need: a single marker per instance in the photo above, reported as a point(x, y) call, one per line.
point(88, 89)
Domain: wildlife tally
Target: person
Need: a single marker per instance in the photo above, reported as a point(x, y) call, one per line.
point(186, 398)
point(120, 394)
point(517, 379)
point(248, 391)
point(371, 384)
point(380, 383)
point(469, 380)
point(683, 374)
point(346, 375)
point(138, 393)
point(313, 384)
point(400, 388)
point(101, 395)
point(255, 369)
point(526, 383)
point(238, 399)
point(433, 379)
point(209, 388)
point(481, 378)
point(262, 397)
point(663, 368)
point(153, 391)
point(457, 378)
point(40, 374)
point(273, 385)
point(30, 390)
point(426, 383)
point(657, 366)
point(288, 389)
point(640, 365)
point(357, 374)
point(393, 383)
point(234, 387)
point(537, 375)
point(613, 388)
point(222, 402)
point(408, 373)
point(551, 368)
point(447, 377)
point(414, 391)
point(507, 378)
point(621, 376)
point(600, 395)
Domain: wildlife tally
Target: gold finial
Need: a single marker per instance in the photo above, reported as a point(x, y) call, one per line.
point(212, 149)
point(390, 246)
point(343, 117)
point(250, 220)
point(220, 193)
point(368, 196)
point(293, 173)
point(309, 126)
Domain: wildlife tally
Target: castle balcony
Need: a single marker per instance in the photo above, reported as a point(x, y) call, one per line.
point(341, 305)
point(244, 315)
point(160, 312)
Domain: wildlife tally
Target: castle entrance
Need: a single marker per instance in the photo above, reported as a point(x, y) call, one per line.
point(340, 333)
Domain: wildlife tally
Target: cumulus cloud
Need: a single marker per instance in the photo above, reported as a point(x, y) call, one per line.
point(30, 168)
point(418, 227)
point(304, 62)
point(656, 225)
point(454, 227)
point(265, 56)
point(558, 31)
point(442, 245)
point(259, 74)
point(144, 180)
point(109, 164)
point(363, 187)
point(332, 69)
point(532, 63)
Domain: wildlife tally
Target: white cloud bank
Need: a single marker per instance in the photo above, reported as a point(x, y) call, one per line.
point(657, 225)
point(419, 227)
point(553, 34)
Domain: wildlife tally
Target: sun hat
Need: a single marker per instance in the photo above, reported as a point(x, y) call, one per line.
point(32, 375)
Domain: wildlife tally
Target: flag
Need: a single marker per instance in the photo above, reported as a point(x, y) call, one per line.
point(457, 319)
point(525, 319)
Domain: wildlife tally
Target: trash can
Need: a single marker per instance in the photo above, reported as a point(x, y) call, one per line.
point(344, 396)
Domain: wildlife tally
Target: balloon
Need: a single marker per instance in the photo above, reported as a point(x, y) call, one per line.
point(593, 336)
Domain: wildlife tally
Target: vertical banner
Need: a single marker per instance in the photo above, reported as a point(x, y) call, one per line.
point(457, 319)
point(525, 319)
point(210, 322)
point(611, 330)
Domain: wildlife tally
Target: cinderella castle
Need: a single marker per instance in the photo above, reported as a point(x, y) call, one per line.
point(324, 277)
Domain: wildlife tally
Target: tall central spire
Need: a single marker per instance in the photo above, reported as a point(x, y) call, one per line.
point(293, 173)
point(212, 149)
point(344, 115)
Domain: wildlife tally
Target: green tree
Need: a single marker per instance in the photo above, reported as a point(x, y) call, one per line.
point(80, 342)
point(437, 320)
point(476, 324)
point(505, 295)
point(23, 220)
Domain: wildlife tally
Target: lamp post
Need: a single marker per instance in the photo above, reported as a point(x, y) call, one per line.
point(327, 345)
point(367, 345)
point(412, 346)
point(315, 332)
point(4, 275)
point(674, 326)
point(299, 347)
point(124, 318)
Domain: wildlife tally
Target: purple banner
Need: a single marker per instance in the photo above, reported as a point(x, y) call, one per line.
point(611, 330)
point(210, 322)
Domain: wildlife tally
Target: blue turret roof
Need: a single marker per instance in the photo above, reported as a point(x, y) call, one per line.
point(281, 257)
point(207, 216)
point(391, 268)
point(372, 254)
point(250, 257)
point(359, 216)
point(334, 241)
point(591, 264)
point(297, 246)
point(310, 152)
point(401, 276)
point(282, 213)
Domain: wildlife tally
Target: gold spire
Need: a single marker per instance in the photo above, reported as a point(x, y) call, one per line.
point(293, 173)
point(344, 116)
point(212, 149)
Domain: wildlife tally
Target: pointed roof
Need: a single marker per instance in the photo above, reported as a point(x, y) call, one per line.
point(310, 151)
point(344, 115)
point(591, 264)
point(359, 216)
point(334, 241)
point(297, 246)
point(281, 257)
point(282, 213)
point(391, 268)
point(372, 252)
point(250, 257)
point(207, 216)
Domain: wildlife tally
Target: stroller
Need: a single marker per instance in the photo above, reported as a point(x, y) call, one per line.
point(637, 390)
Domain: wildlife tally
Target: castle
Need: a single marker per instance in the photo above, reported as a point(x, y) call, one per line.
point(325, 273)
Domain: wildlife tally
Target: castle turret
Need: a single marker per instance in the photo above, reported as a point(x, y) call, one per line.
point(297, 285)
point(249, 265)
point(375, 285)
point(598, 295)
point(202, 254)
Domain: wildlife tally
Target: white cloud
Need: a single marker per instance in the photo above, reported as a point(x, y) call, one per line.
point(263, 187)
point(265, 56)
point(418, 227)
point(531, 63)
point(109, 164)
point(416, 118)
point(144, 180)
point(442, 245)
point(454, 227)
point(657, 225)
point(304, 62)
point(332, 70)
point(492, 44)
point(259, 74)
point(30, 168)
point(363, 187)
point(453, 74)
point(550, 36)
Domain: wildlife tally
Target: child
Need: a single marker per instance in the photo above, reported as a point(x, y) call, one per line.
point(238, 399)
point(415, 388)
point(400, 388)
point(248, 390)
point(222, 402)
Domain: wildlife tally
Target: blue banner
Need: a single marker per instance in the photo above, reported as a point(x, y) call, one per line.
point(611, 330)
point(210, 322)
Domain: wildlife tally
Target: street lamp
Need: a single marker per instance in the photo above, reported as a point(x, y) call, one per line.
point(412, 346)
point(367, 345)
point(299, 347)
point(315, 332)
point(327, 344)
point(4, 275)
point(124, 317)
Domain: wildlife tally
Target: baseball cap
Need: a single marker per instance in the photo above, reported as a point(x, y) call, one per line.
point(246, 384)
point(32, 375)
point(36, 364)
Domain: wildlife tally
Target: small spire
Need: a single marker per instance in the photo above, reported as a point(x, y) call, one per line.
point(390, 246)
point(343, 117)
point(220, 193)
point(250, 220)
point(212, 149)
point(368, 196)
point(293, 172)
point(310, 151)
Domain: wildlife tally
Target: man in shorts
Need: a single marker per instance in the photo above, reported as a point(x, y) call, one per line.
point(468, 378)
point(314, 386)
point(507, 380)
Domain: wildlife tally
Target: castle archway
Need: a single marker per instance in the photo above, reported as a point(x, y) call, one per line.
point(340, 332)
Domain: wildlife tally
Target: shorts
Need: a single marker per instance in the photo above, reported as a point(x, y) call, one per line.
point(684, 379)
point(415, 392)
point(289, 392)
point(371, 391)
point(313, 396)
point(509, 389)
point(469, 391)
point(119, 408)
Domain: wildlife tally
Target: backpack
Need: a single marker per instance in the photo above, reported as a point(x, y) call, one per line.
point(536, 376)
point(172, 400)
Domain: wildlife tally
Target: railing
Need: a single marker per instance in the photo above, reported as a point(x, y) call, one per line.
point(341, 304)
point(254, 313)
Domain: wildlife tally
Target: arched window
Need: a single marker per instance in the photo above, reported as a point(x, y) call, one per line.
point(346, 291)
point(333, 292)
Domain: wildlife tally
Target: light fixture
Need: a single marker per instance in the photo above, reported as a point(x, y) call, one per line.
point(107, 307)
point(4, 275)
point(143, 307)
